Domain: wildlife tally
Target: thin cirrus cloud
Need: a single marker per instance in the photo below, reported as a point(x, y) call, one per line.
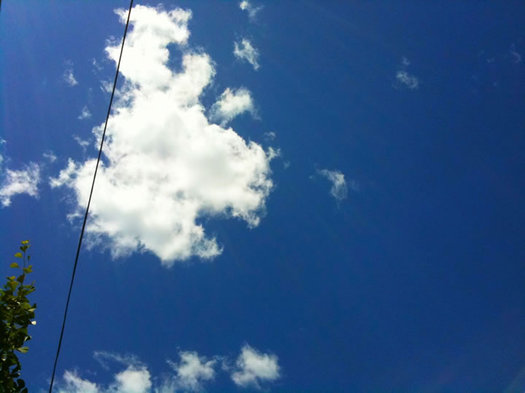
point(339, 189)
point(166, 165)
point(193, 373)
point(244, 50)
point(230, 104)
point(15, 182)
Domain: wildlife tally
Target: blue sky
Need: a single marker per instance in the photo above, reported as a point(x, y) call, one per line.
point(295, 196)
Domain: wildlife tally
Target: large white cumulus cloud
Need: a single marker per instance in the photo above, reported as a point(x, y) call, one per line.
point(165, 164)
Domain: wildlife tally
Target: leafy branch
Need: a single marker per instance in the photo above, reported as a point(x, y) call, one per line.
point(16, 313)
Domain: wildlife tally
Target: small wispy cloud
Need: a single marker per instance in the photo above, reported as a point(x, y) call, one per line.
point(24, 181)
point(516, 57)
point(251, 9)
point(83, 143)
point(230, 104)
point(244, 50)
point(270, 135)
point(106, 86)
point(84, 114)
point(407, 79)
point(69, 76)
point(49, 156)
point(96, 65)
point(339, 189)
point(404, 78)
point(105, 358)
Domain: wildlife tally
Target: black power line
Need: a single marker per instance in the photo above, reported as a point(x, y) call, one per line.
point(89, 203)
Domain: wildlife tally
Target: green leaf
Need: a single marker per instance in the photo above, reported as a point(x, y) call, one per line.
point(14, 265)
point(18, 255)
point(23, 349)
point(25, 241)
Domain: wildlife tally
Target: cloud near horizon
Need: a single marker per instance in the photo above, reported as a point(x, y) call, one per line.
point(166, 166)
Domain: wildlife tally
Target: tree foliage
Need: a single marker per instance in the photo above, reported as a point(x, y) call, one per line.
point(16, 313)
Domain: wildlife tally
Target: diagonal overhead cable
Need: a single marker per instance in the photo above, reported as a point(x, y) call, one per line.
point(89, 203)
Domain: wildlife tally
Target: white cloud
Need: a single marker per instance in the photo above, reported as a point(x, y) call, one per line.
point(407, 79)
point(191, 373)
point(244, 50)
point(515, 55)
point(165, 166)
point(133, 380)
point(85, 114)
point(69, 77)
point(254, 368)
point(96, 65)
point(338, 189)
point(83, 143)
point(105, 358)
point(75, 384)
point(106, 86)
point(24, 181)
point(252, 11)
point(270, 135)
point(231, 103)
point(404, 78)
point(50, 156)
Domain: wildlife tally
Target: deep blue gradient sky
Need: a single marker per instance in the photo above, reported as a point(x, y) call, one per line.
point(413, 283)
